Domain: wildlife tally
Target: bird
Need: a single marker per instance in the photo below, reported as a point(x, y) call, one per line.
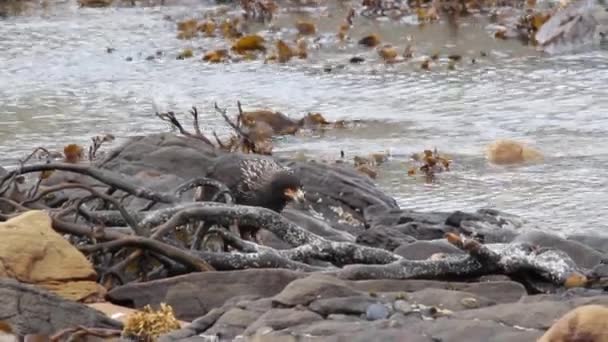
point(257, 181)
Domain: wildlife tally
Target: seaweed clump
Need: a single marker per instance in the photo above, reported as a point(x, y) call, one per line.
point(148, 324)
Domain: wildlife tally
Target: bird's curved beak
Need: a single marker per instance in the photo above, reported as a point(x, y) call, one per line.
point(295, 195)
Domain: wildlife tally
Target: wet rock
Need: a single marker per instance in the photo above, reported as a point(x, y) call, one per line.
point(164, 153)
point(384, 237)
point(537, 315)
point(304, 291)
point(421, 250)
point(212, 289)
point(456, 330)
point(447, 299)
point(32, 252)
point(232, 323)
point(376, 311)
point(388, 216)
point(279, 319)
point(337, 193)
point(356, 305)
point(499, 291)
point(584, 256)
point(571, 27)
point(595, 241)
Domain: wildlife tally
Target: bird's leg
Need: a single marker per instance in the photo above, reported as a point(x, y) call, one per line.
point(254, 237)
point(234, 228)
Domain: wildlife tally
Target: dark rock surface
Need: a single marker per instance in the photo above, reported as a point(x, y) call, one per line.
point(193, 295)
point(583, 255)
point(304, 291)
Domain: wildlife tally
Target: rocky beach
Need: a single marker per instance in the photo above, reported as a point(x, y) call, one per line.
point(136, 235)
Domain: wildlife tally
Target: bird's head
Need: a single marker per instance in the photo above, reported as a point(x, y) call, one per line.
point(288, 186)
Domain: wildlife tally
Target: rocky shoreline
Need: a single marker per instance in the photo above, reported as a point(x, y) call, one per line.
point(348, 264)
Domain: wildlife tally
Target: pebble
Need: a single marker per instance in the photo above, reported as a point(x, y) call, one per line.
point(469, 303)
point(402, 306)
point(375, 312)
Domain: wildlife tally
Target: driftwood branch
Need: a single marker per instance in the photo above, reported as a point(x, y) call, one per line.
point(552, 265)
point(108, 177)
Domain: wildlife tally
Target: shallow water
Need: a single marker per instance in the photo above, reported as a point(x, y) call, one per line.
point(58, 85)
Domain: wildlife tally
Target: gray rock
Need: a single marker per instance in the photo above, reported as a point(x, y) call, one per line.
point(447, 299)
point(279, 319)
point(535, 315)
point(498, 291)
point(194, 294)
point(421, 250)
point(232, 323)
point(344, 305)
point(375, 312)
point(384, 335)
point(384, 237)
point(304, 291)
point(456, 330)
point(595, 241)
point(583, 255)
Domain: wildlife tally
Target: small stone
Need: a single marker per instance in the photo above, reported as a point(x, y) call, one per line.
point(402, 306)
point(375, 312)
point(469, 303)
point(128, 59)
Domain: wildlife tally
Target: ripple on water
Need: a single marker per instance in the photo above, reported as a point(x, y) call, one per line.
point(58, 84)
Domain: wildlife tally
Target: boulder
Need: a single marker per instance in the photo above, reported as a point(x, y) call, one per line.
point(232, 323)
point(279, 319)
point(32, 252)
point(456, 330)
point(384, 237)
point(595, 241)
point(583, 255)
point(193, 295)
point(316, 286)
point(536, 315)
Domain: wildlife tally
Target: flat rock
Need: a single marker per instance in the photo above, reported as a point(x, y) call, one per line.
point(448, 299)
point(279, 319)
point(384, 237)
point(32, 252)
point(537, 315)
point(317, 286)
point(456, 330)
point(195, 294)
point(333, 327)
point(355, 305)
point(583, 255)
point(422, 250)
point(595, 241)
point(496, 291)
point(384, 335)
point(232, 323)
